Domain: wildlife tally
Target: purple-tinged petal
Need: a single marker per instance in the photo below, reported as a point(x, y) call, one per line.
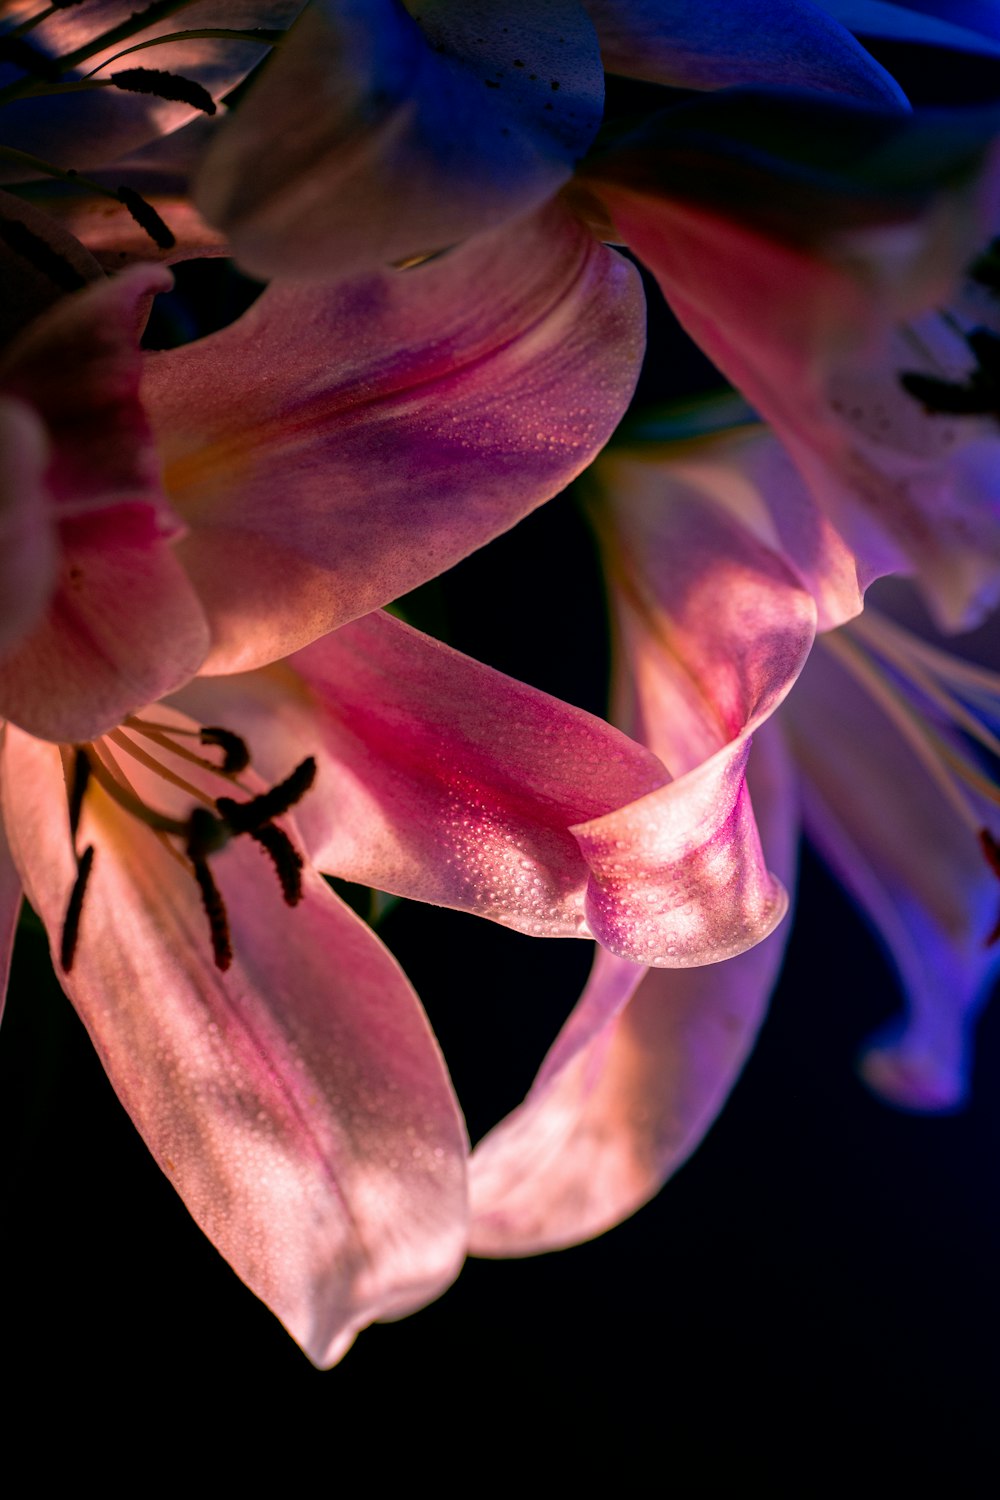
point(395, 424)
point(297, 1102)
point(377, 136)
point(635, 1078)
point(714, 628)
point(90, 129)
point(717, 43)
point(439, 778)
point(27, 530)
point(895, 840)
point(956, 24)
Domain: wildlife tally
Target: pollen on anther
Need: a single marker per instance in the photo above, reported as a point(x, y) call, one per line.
point(71, 924)
point(235, 755)
point(286, 859)
point(215, 911)
point(247, 817)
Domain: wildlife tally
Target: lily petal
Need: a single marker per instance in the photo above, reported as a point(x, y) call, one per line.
point(714, 628)
point(964, 27)
point(411, 415)
point(895, 841)
point(27, 533)
point(635, 1078)
point(717, 43)
point(91, 129)
point(439, 778)
point(299, 1103)
point(123, 624)
point(373, 138)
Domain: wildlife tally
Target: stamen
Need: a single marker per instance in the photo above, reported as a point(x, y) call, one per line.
point(163, 85)
point(215, 911)
point(137, 753)
point(78, 786)
point(23, 55)
point(247, 817)
point(286, 859)
point(235, 755)
point(147, 218)
point(71, 924)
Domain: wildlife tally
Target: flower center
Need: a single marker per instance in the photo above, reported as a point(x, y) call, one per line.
point(192, 838)
point(947, 711)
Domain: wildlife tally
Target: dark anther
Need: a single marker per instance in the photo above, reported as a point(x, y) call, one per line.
point(64, 4)
point(986, 347)
point(286, 859)
point(939, 397)
point(215, 911)
point(235, 755)
point(146, 217)
point(247, 817)
point(165, 86)
point(40, 254)
point(206, 834)
point(71, 926)
point(78, 786)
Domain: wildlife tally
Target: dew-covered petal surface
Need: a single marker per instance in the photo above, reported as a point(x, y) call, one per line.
point(377, 135)
point(27, 527)
point(297, 1102)
point(635, 1078)
point(334, 448)
point(713, 629)
point(897, 843)
point(123, 624)
point(439, 778)
point(91, 129)
point(718, 43)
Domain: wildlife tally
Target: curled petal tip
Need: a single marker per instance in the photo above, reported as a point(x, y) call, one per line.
point(913, 1081)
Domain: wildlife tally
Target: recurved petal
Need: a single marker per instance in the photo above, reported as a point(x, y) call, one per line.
point(395, 424)
point(27, 528)
point(718, 43)
point(297, 1102)
point(713, 630)
point(635, 1078)
point(959, 25)
point(378, 135)
point(439, 778)
point(896, 841)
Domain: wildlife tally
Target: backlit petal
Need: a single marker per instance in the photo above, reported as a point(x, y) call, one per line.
point(298, 1103)
point(395, 424)
point(896, 842)
point(635, 1078)
point(27, 529)
point(373, 138)
point(717, 43)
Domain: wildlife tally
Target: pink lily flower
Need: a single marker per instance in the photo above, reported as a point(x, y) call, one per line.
point(875, 752)
point(194, 664)
point(438, 127)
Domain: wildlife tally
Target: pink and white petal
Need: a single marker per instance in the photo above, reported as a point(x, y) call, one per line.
point(783, 333)
point(718, 43)
point(635, 1078)
point(123, 627)
point(713, 630)
point(377, 136)
point(410, 416)
point(298, 1102)
point(914, 866)
point(90, 129)
point(27, 526)
point(439, 778)
point(79, 365)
